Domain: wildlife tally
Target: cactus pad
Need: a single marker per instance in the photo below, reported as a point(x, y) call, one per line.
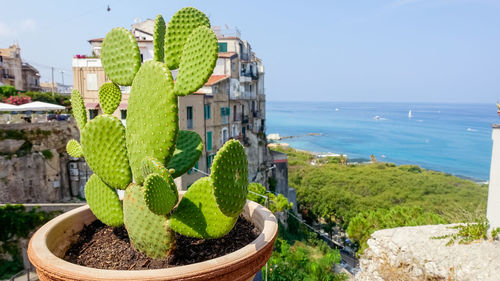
point(74, 149)
point(148, 232)
point(78, 108)
point(159, 38)
point(179, 28)
point(109, 97)
point(103, 142)
point(152, 120)
point(198, 214)
point(120, 56)
point(159, 194)
point(187, 152)
point(103, 201)
point(150, 165)
point(230, 177)
point(198, 60)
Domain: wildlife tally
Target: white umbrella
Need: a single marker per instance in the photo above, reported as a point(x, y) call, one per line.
point(8, 107)
point(39, 106)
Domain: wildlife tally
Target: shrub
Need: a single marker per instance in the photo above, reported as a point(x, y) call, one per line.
point(364, 224)
point(17, 223)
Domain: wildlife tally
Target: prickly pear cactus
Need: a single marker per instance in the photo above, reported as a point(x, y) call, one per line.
point(145, 157)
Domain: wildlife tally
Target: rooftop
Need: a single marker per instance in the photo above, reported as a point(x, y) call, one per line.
point(214, 79)
point(227, 55)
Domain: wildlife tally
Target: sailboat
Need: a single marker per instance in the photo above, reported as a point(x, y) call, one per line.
point(409, 114)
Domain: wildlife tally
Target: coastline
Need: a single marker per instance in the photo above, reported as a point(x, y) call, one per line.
point(363, 161)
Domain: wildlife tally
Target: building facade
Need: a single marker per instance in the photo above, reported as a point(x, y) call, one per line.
point(231, 105)
point(48, 87)
point(14, 72)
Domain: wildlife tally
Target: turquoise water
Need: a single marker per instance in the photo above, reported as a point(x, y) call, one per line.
point(452, 138)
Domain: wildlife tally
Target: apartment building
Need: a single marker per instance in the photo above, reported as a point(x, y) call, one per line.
point(15, 72)
point(231, 105)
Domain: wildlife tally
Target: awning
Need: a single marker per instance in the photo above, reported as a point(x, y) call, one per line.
point(92, 105)
point(8, 107)
point(39, 106)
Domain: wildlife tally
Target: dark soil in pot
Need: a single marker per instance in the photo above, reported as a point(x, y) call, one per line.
point(104, 247)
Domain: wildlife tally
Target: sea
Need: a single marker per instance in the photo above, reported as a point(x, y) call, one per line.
point(451, 138)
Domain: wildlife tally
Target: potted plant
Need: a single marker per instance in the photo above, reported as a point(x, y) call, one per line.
point(144, 159)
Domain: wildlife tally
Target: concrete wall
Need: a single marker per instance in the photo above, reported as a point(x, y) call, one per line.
point(493, 211)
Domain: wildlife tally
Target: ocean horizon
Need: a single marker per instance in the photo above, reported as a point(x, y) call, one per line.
point(454, 138)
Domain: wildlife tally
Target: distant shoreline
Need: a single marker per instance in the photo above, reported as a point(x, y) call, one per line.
point(367, 161)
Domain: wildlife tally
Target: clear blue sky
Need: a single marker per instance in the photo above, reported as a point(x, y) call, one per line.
point(393, 50)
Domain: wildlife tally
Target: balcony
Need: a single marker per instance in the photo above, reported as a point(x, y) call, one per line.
point(248, 76)
point(244, 119)
point(8, 76)
point(256, 114)
point(245, 79)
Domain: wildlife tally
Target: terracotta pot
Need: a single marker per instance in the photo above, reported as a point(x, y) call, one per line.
point(52, 240)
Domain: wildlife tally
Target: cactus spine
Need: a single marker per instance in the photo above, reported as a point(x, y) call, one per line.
point(145, 157)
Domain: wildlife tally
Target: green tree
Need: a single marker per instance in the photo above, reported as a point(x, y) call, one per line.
point(277, 203)
point(17, 223)
point(364, 224)
point(303, 262)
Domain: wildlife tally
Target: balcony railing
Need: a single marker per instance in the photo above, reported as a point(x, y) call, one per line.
point(244, 119)
point(8, 76)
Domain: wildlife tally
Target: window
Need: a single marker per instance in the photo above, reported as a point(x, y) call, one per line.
point(223, 47)
point(92, 82)
point(235, 131)
point(225, 135)
point(224, 111)
point(208, 114)
point(123, 114)
point(234, 113)
point(209, 141)
point(93, 113)
point(250, 88)
point(210, 159)
point(142, 58)
point(189, 111)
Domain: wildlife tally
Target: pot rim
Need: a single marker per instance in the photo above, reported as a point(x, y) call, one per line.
point(40, 254)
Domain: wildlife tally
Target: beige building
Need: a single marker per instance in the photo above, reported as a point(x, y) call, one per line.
point(231, 105)
point(14, 72)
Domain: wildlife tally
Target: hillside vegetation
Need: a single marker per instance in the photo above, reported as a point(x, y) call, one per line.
point(331, 193)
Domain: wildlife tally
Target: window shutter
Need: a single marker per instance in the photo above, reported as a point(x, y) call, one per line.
point(209, 141)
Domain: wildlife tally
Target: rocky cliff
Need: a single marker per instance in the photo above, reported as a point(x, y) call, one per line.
point(410, 253)
point(34, 163)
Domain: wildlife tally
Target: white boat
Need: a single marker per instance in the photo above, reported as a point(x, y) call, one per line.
point(409, 114)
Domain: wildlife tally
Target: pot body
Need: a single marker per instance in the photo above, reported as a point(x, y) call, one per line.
point(52, 240)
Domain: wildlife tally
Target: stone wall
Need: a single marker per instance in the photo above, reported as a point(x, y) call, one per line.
point(34, 162)
point(259, 158)
point(410, 253)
